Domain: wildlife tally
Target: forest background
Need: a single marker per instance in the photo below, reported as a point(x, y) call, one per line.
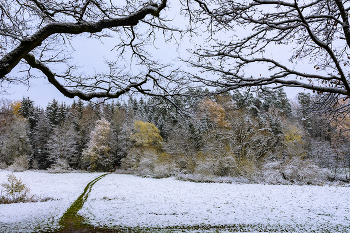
point(250, 136)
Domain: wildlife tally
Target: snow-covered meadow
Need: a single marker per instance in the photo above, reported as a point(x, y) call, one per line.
point(27, 217)
point(120, 200)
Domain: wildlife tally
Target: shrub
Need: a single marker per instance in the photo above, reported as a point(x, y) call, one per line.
point(304, 171)
point(20, 164)
point(224, 165)
point(60, 166)
point(3, 165)
point(296, 170)
point(15, 191)
point(149, 161)
point(271, 173)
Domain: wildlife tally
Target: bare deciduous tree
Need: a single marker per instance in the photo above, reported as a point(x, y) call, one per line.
point(317, 32)
point(39, 33)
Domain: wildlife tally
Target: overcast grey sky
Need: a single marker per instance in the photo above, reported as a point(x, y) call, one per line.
point(90, 56)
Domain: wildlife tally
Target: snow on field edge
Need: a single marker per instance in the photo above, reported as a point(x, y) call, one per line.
point(125, 200)
point(120, 200)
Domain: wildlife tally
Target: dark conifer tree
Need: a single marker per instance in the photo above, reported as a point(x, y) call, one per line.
point(52, 113)
point(42, 134)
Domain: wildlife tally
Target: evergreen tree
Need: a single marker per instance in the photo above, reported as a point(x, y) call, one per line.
point(120, 134)
point(6, 119)
point(56, 113)
point(42, 133)
point(242, 100)
point(305, 114)
point(63, 145)
point(28, 111)
point(276, 99)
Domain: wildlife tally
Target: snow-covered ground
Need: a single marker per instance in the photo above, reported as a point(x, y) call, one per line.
point(129, 201)
point(41, 216)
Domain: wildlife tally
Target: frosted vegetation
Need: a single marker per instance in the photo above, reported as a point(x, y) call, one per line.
point(238, 137)
point(128, 203)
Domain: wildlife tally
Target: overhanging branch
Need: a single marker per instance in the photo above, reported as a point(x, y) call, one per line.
point(11, 59)
point(72, 93)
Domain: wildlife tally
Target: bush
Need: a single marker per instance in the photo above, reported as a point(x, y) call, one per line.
point(271, 173)
point(149, 161)
point(296, 170)
point(20, 164)
point(15, 191)
point(304, 171)
point(3, 165)
point(60, 166)
point(227, 165)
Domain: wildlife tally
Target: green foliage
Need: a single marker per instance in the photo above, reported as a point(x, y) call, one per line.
point(304, 100)
point(43, 131)
point(62, 144)
point(226, 135)
point(56, 113)
point(28, 111)
point(264, 100)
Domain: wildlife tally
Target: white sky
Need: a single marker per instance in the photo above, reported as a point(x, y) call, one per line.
point(90, 57)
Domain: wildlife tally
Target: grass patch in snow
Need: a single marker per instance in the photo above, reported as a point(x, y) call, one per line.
point(125, 203)
point(70, 219)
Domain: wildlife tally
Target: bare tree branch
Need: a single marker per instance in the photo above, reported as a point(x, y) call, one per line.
point(11, 59)
point(72, 93)
point(315, 30)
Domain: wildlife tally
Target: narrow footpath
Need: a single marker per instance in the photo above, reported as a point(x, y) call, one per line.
point(71, 221)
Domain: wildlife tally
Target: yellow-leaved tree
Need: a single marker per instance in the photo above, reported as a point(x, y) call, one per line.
point(294, 144)
point(215, 112)
point(15, 108)
point(146, 134)
point(147, 156)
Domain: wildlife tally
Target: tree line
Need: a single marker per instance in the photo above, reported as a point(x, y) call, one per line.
point(250, 135)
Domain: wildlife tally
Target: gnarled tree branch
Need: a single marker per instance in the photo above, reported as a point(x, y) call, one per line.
point(73, 93)
point(11, 59)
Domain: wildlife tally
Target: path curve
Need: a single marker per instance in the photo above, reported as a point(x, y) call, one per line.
point(71, 221)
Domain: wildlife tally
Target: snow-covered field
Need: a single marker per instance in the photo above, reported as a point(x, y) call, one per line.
point(129, 201)
point(29, 217)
